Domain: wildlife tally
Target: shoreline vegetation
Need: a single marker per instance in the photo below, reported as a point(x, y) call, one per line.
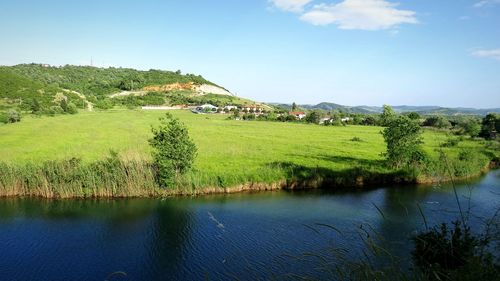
point(117, 178)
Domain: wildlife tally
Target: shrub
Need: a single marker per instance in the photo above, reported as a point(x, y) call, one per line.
point(173, 150)
point(453, 254)
point(356, 139)
point(13, 116)
point(53, 110)
point(104, 104)
point(403, 139)
point(71, 108)
point(439, 122)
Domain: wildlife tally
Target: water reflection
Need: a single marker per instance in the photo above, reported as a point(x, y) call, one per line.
point(241, 235)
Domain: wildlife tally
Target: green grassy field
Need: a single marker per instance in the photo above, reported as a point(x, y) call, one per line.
point(229, 152)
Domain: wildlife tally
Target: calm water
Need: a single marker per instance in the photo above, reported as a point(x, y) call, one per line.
point(248, 236)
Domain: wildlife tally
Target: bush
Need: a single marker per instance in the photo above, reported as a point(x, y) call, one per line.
point(453, 254)
point(13, 116)
point(403, 137)
point(248, 116)
point(104, 104)
point(356, 139)
point(71, 108)
point(439, 122)
point(53, 110)
point(173, 150)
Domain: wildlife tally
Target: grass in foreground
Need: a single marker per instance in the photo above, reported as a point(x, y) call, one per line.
point(230, 152)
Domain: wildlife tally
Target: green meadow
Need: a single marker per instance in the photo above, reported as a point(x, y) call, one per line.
point(230, 152)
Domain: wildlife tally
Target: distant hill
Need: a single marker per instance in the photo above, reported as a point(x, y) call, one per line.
point(23, 85)
point(425, 110)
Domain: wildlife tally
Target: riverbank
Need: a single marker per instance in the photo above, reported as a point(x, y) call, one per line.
point(116, 178)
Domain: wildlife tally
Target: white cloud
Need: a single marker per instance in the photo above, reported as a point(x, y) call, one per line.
point(295, 6)
point(493, 53)
point(485, 3)
point(360, 14)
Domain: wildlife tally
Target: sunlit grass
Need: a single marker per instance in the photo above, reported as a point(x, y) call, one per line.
point(229, 152)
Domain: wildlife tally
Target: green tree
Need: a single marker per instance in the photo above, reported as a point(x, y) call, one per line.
point(470, 127)
point(413, 116)
point(403, 137)
point(313, 117)
point(437, 122)
point(294, 107)
point(370, 121)
point(490, 126)
point(387, 116)
point(173, 150)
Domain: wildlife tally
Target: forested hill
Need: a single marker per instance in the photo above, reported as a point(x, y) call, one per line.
point(45, 89)
point(91, 81)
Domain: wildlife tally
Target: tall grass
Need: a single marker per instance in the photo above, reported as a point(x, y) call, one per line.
point(110, 177)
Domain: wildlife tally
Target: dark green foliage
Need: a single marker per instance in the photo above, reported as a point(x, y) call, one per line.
point(439, 122)
point(248, 116)
point(173, 150)
point(490, 126)
point(294, 107)
point(453, 254)
point(290, 118)
point(33, 87)
point(413, 115)
point(71, 108)
point(469, 126)
point(370, 121)
point(93, 81)
point(356, 139)
point(387, 116)
point(403, 137)
point(313, 117)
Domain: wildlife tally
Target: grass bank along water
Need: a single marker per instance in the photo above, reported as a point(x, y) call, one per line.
point(68, 156)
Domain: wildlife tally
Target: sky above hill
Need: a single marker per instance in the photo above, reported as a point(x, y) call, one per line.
point(353, 52)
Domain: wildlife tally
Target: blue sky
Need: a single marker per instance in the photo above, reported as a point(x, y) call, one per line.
point(353, 52)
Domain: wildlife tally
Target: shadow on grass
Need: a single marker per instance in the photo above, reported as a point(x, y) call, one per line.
point(302, 177)
point(375, 163)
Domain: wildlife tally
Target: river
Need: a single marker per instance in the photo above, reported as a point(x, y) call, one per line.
point(244, 236)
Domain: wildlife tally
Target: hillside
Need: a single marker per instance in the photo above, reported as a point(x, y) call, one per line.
point(28, 87)
point(424, 110)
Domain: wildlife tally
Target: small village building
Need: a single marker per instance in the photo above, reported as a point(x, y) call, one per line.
point(252, 108)
point(325, 120)
point(298, 114)
point(230, 108)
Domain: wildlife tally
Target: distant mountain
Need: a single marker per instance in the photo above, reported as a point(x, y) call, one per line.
point(424, 110)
